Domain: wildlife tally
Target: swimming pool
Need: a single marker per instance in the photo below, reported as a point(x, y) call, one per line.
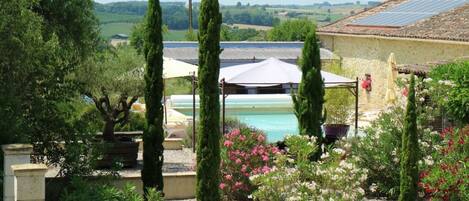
point(275, 125)
point(271, 113)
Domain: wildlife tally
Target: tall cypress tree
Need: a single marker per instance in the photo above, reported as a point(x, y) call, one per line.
point(153, 135)
point(409, 150)
point(308, 102)
point(208, 140)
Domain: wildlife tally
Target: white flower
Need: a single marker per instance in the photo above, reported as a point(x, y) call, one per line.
point(422, 99)
point(361, 191)
point(425, 144)
point(324, 155)
point(428, 160)
point(347, 145)
point(373, 187)
point(339, 151)
point(427, 79)
point(253, 177)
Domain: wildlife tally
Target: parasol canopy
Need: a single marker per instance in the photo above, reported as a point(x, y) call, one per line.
point(390, 97)
point(271, 72)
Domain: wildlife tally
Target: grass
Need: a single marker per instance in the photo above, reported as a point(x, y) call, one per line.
point(110, 29)
point(105, 18)
point(175, 35)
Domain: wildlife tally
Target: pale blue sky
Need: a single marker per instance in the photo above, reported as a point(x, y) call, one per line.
point(275, 2)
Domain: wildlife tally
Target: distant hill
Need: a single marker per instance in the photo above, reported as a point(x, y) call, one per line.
point(252, 2)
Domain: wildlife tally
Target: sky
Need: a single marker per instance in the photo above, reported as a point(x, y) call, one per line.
point(274, 2)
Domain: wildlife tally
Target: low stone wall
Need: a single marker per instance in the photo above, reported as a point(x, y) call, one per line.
point(179, 185)
point(168, 144)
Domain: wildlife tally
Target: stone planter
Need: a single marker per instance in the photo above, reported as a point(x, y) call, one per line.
point(124, 152)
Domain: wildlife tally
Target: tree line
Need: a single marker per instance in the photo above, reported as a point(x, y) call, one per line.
point(175, 14)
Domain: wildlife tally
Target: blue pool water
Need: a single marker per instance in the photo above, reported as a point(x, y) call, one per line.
point(276, 125)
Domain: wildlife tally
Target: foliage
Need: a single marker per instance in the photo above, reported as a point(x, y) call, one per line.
point(248, 15)
point(295, 177)
point(109, 81)
point(291, 30)
point(153, 136)
point(82, 190)
point(236, 34)
point(446, 179)
point(208, 147)
point(308, 102)
point(44, 43)
point(338, 102)
point(409, 155)
point(191, 35)
point(244, 153)
point(453, 81)
point(379, 149)
point(137, 37)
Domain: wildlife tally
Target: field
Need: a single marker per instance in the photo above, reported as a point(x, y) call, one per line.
point(110, 29)
point(256, 27)
point(175, 35)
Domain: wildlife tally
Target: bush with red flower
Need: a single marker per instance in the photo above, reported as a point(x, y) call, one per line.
point(448, 177)
point(244, 153)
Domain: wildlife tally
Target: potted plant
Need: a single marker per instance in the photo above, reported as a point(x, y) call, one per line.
point(338, 109)
point(113, 89)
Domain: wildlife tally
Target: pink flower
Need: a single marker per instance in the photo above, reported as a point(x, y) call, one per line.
point(228, 177)
point(228, 143)
point(243, 168)
point(242, 137)
point(238, 184)
point(238, 161)
point(275, 150)
point(265, 157)
point(265, 169)
point(222, 186)
point(260, 138)
point(235, 132)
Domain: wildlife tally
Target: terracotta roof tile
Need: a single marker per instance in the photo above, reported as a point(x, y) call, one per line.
point(451, 25)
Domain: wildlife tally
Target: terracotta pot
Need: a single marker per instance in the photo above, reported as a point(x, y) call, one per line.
point(125, 152)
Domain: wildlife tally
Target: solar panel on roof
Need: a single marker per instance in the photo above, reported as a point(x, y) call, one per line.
point(409, 12)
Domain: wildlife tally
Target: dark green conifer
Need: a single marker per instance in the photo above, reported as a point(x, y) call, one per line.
point(308, 102)
point(409, 150)
point(153, 135)
point(208, 135)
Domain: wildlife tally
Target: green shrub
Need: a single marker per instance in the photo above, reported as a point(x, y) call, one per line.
point(295, 177)
point(83, 190)
point(453, 81)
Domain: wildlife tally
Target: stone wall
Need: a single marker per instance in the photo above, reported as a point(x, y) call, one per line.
point(369, 54)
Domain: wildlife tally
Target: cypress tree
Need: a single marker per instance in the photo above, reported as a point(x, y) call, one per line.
point(409, 150)
point(308, 102)
point(208, 139)
point(153, 135)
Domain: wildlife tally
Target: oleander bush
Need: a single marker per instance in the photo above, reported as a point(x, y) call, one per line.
point(294, 177)
point(244, 153)
point(447, 177)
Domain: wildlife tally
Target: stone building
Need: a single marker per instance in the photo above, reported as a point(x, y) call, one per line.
point(417, 32)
